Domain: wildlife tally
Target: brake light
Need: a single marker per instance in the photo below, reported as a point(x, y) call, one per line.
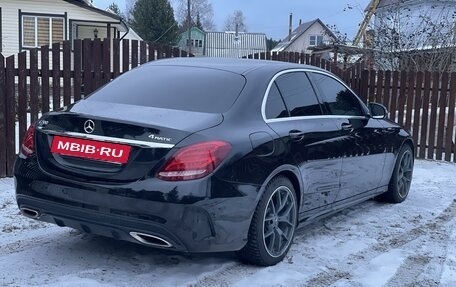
point(28, 144)
point(194, 161)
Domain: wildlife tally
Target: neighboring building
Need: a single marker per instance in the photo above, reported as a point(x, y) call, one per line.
point(307, 35)
point(234, 45)
point(26, 24)
point(197, 41)
point(415, 35)
point(401, 20)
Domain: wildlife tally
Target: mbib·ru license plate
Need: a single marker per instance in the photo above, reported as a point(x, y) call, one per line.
point(90, 149)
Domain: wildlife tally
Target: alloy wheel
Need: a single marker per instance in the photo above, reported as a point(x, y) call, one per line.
point(404, 174)
point(279, 221)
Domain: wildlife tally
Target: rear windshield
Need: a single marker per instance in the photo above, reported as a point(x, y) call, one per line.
point(174, 87)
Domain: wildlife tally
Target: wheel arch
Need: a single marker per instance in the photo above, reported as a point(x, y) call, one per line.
point(408, 141)
point(292, 173)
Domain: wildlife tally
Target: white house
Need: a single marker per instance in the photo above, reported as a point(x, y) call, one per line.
point(26, 24)
point(234, 44)
point(306, 35)
point(416, 33)
point(415, 23)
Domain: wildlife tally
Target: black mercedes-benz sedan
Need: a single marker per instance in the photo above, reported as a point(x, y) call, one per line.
point(209, 155)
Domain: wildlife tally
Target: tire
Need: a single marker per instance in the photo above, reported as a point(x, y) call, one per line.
point(273, 225)
point(401, 178)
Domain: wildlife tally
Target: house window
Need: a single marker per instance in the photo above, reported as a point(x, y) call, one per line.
point(195, 43)
point(38, 31)
point(316, 40)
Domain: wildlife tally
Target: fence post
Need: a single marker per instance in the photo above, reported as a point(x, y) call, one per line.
point(134, 53)
point(125, 55)
point(22, 95)
point(66, 73)
point(96, 61)
point(449, 143)
point(417, 108)
point(433, 118)
point(116, 57)
point(442, 115)
point(401, 100)
point(387, 90)
point(106, 62)
point(364, 85)
point(394, 95)
point(56, 76)
point(77, 78)
point(10, 115)
point(34, 86)
point(142, 52)
point(425, 117)
point(87, 66)
point(3, 111)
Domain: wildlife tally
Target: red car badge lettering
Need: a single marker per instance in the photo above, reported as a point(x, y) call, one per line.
point(97, 150)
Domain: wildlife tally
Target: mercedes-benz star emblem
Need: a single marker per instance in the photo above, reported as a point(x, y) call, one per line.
point(89, 126)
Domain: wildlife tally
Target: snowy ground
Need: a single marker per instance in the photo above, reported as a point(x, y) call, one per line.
point(371, 244)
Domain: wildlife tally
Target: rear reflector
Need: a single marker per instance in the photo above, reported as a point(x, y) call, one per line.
point(194, 161)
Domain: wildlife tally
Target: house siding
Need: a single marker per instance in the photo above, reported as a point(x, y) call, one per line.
point(302, 43)
point(10, 18)
point(196, 34)
point(407, 18)
point(224, 44)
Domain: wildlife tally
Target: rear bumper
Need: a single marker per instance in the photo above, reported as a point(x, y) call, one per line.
point(180, 215)
point(117, 227)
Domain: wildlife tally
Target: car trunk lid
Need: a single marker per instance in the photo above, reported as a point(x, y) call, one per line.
point(101, 141)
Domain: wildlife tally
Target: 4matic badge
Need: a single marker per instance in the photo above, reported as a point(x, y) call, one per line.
point(159, 138)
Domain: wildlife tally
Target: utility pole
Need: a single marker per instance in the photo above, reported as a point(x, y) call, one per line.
point(189, 24)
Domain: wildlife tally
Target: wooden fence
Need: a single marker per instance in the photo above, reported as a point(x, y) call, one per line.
point(36, 81)
point(39, 80)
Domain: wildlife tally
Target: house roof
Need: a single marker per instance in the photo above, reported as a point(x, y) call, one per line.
point(284, 44)
point(193, 28)
point(232, 45)
point(384, 3)
point(87, 5)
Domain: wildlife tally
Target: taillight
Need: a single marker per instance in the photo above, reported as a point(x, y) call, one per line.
point(28, 144)
point(194, 161)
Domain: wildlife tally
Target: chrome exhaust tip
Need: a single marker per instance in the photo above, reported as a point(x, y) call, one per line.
point(151, 240)
point(30, 213)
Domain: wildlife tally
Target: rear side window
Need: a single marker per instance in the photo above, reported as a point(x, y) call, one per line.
point(338, 99)
point(174, 87)
point(298, 94)
point(275, 107)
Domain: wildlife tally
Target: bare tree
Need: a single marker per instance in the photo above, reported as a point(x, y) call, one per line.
point(199, 9)
point(416, 36)
point(235, 19)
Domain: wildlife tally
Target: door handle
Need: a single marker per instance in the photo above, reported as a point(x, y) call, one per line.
point(297, 135)
point(347, 127)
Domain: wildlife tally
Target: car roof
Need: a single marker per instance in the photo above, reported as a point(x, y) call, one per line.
point(238, 66)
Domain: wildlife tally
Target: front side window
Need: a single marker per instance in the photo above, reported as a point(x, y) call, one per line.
point(316, 40)
point(38, 31)
point(338, 99)
point(298, 94)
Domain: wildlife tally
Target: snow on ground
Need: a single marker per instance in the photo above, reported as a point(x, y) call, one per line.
point(370, 244)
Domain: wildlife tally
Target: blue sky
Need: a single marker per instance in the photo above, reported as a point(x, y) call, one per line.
point(271, 17)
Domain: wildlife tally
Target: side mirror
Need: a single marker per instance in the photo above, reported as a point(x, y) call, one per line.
point(377, 111)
